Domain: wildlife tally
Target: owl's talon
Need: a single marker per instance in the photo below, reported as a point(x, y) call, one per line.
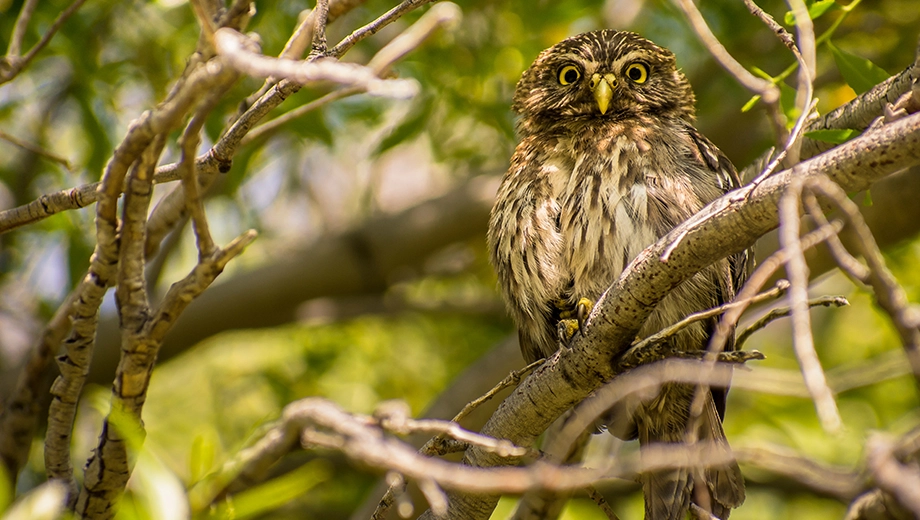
point(582, 310)
point(567, 329)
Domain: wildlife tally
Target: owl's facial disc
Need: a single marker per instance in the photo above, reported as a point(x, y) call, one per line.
point(602, 88)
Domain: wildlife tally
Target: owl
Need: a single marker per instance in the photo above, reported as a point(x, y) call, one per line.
point(608, 162)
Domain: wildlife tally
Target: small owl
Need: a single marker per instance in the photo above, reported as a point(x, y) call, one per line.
point(609, 162)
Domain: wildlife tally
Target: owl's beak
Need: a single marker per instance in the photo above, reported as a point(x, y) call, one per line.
point(602, 88)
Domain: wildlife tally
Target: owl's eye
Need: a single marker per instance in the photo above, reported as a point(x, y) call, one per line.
point(637, 72)
point(569, 74)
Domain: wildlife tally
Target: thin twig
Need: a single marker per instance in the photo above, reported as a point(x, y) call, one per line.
point(782, 312)
point(320, 14)
point(852, 267)
point(438, 444)
point(900, 480)
point(276, 123)
point(775, 292)
point(437, 499)
point(759, 277)
point(803, 342)
point(513, 379)
point(372, 28)
point(601, 502)
point(891, 297)
point(14, 64)
point(765, 89)
point(241, 54)
point(38, 150)
point(442, 14)
point(302, 35)
point(360, 440)
point(393, 416)
point(842, 483)
point(19, 30)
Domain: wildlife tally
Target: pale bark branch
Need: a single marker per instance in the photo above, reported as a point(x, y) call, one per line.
point(819, 478)
point(108, 470)
point(242, 54)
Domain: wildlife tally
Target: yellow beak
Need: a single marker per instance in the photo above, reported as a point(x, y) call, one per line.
point(602, 88)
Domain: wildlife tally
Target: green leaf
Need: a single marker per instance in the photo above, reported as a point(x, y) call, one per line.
point(859, 73)
point(838, 136)
point(820, 7)
point(750, 104)
point(762, 73)
point(787, 103)
point(413, 124)
point(815, 10)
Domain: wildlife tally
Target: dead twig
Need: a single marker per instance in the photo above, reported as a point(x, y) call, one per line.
point(782, 312)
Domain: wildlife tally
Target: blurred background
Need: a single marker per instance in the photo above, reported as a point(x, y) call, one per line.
point(370, 279)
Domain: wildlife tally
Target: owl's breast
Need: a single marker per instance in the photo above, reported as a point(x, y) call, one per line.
point(604, 215)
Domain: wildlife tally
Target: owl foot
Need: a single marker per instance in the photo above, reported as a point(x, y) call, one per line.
point(566, 330)
point(573, 320)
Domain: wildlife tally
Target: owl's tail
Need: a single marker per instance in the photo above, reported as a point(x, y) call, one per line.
point(717, 489)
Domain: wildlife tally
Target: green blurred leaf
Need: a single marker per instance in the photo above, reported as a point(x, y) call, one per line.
point(859, 73)
point(820, 7)
point(838, 136)
point(815, 10)
point(202, 457)
point(412, 125)
point(312, 125)
point(45, 502)
point(762, 73)
point(750, 104)
point(787, 103)
point(5, 489)
point(274, 493)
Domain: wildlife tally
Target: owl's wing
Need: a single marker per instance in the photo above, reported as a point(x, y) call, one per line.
point(727, 179)
point(739, 265)
point(526, 249)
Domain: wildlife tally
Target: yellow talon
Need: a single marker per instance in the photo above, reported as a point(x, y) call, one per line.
point(582, 310)
point(572, 319)
point(567, 330)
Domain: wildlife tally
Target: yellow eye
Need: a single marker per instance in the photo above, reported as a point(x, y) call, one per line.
point(637, 72)
point(569, 74)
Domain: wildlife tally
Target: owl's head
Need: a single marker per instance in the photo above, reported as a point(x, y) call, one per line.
point(604, 74)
